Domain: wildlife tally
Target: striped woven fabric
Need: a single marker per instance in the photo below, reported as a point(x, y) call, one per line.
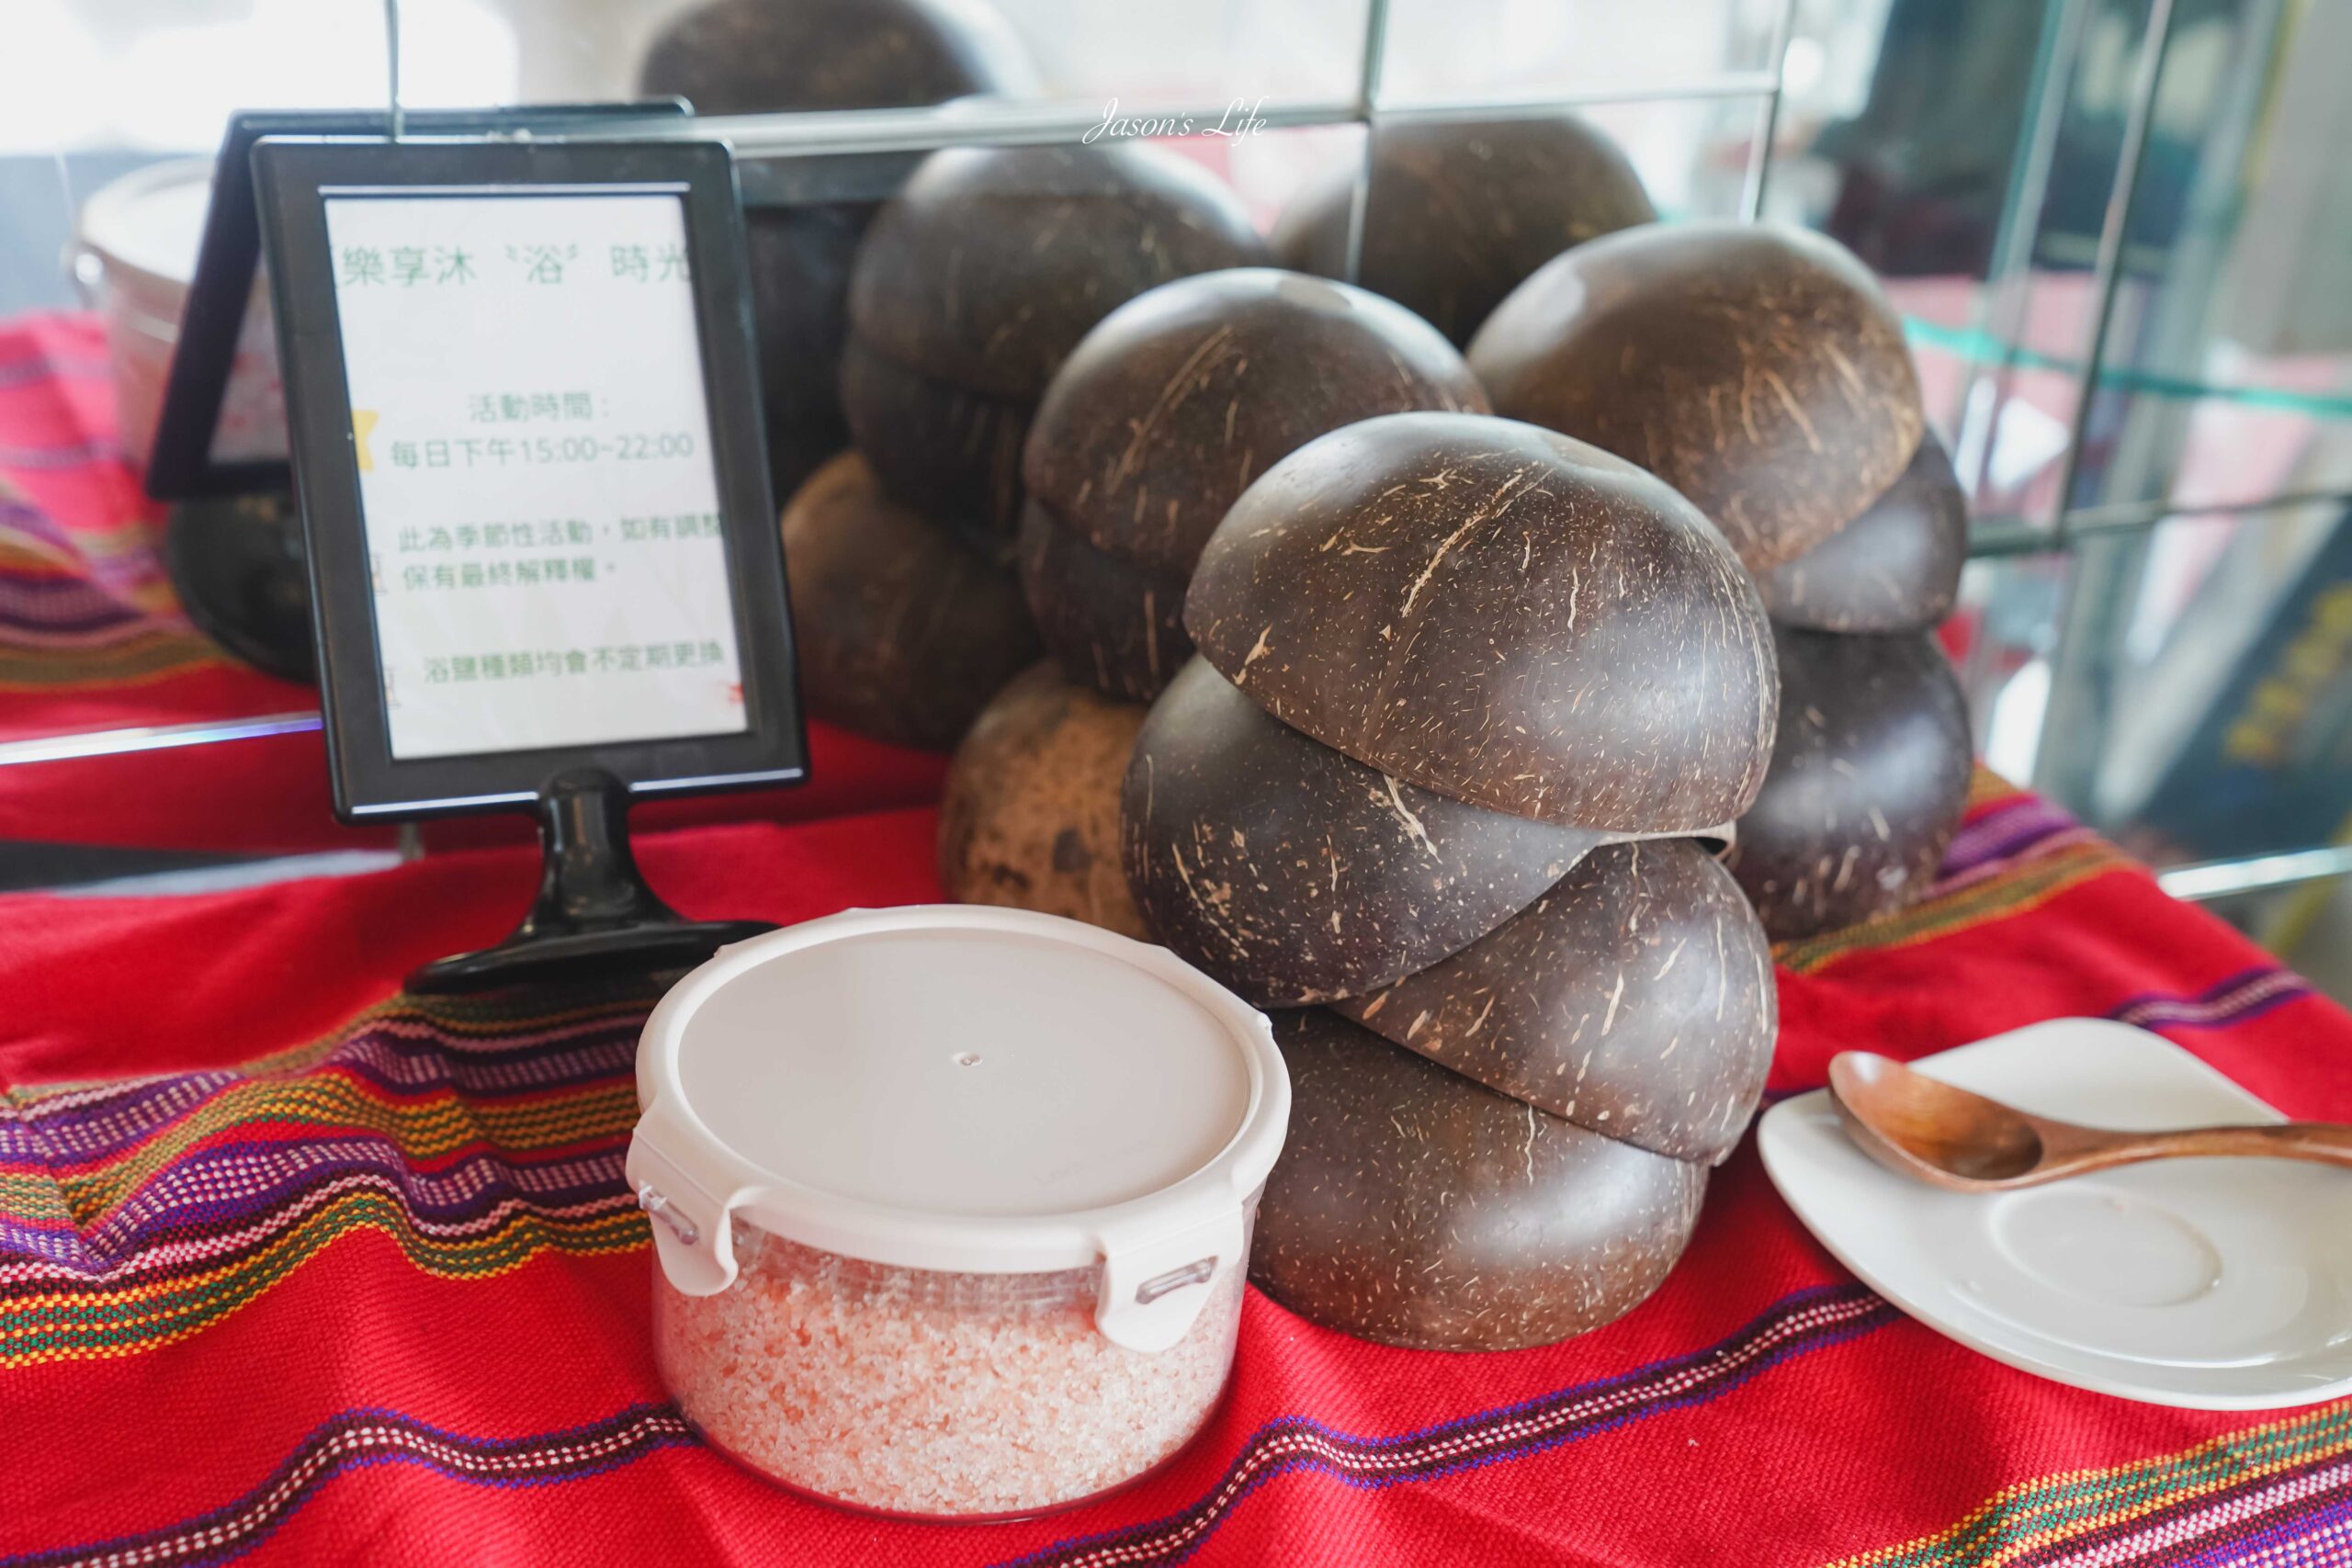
point(59, 628)
point(91, 638)
point(138, 1212)
point(90, 635)
point(2014, 850)
point(371, 1290)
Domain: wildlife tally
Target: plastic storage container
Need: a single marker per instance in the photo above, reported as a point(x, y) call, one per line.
point(136, 243)
point(952, 1205)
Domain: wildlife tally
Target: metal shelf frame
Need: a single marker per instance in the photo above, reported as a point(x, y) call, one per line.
point(786, 158)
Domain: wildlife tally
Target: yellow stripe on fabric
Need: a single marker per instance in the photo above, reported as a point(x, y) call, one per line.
point(342, 1107)
point(30, 1198)
point(145, 659)
point(1986, 787)
point(22, 553)
point(2014, 892)
point(45, 1323)
point(79, 1331)
point(128, 537)
point(2034, 1516)
point(134, 539)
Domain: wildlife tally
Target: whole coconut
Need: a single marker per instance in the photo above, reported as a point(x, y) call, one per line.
point(1755, 368)
point(1457, 215)
point(904, 632)
point(1031, 815)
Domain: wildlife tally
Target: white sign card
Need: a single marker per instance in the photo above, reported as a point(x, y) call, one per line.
point(537, 482)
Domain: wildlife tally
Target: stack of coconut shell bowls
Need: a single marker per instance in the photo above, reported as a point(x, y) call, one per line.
point(969, 290)
point(1468, 694)
point(1456, 215)
point(1159, 420)
point(1761, 372)
point(756, 56)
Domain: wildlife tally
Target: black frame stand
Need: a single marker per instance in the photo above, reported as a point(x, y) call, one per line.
point(595, 915)
point(236, 564)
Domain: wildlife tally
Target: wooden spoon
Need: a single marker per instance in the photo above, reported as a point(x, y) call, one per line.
point(1918, 1127)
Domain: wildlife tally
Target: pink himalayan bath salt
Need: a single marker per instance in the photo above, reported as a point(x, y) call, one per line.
point(951, 1205)
point(918, 1392)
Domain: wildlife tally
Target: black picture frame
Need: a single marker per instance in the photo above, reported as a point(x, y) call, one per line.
point(180, 465)
point(293, 178)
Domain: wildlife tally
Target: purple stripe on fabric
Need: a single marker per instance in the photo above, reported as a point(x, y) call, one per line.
point(2003, 832)
point(15, 583)
point(2245, 995)
point(17, 516)
point(68, 625)
point(69, 1134)
point(224, 1190)
point(44, 596)
point(2319, 1532)
point(2203, 1526)
point(72, 627)
point(27, 518)
point(1806, 1321)
point(359, 1439)
point(50, 459)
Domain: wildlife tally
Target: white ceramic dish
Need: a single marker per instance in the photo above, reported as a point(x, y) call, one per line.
point(2213, 1285)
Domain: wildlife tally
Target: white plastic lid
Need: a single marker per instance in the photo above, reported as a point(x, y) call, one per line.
point(151, 220)
point(963, 1088)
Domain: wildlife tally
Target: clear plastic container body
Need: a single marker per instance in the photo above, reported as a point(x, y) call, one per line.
point(933, 1395)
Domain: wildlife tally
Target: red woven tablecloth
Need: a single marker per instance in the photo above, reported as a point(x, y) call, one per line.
point(351, 1277)
point(91, 638)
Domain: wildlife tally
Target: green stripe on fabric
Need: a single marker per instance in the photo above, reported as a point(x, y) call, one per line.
point(2040, 1513)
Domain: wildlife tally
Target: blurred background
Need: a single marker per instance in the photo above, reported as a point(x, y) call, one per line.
point(2120, 231)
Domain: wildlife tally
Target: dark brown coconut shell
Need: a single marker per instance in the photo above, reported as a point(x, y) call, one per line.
point(752, 56)
point(993, 262)
point(1636, 998)
point(800, 260)
point(1295, 874)
point(1755, 368)
point(952, 455)
point(1870, 775)
point(1412, 1207)
point(1111, 624)
point(1182, 397)
point(904, 632)
point(1895, 569)
point(1031, 815)
point(1499, 614)
point(1457, 215)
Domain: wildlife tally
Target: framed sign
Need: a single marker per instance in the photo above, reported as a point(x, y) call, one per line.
point(524, 416)
point(232, 548)
point(190, 456)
